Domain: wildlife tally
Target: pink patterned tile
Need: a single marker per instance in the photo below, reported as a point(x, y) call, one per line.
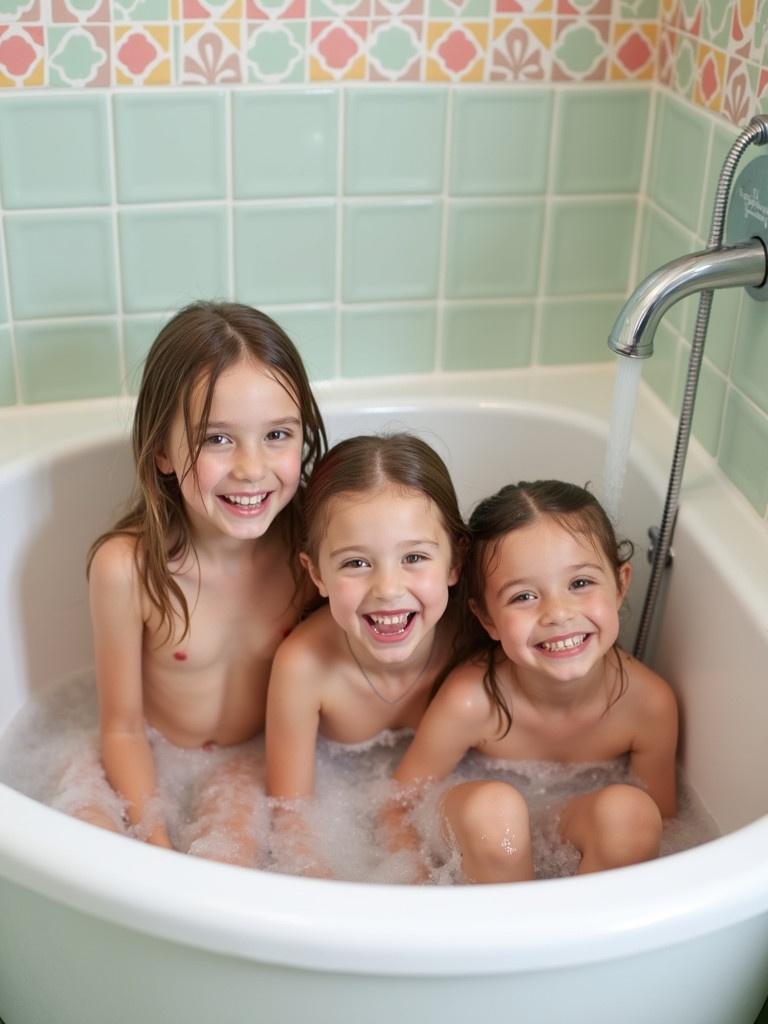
point(211, 54)
point(22, 55)
point(97, 11)
point(739, 100)
point(292, 9)
point(337, 50)
point(521, 50)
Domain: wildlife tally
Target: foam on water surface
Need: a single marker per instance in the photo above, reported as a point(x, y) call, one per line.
point(51, 754)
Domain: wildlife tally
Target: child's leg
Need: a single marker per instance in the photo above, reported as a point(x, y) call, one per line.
point(488, 821)
point(224, 826)
point(612, 827)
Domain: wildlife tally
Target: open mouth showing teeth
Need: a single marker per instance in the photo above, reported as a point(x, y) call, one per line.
point(568, 644)
point(390, 625)
point(244, 500)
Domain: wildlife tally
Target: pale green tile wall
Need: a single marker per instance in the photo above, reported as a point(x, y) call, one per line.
point(731, 416)
point(393, 229)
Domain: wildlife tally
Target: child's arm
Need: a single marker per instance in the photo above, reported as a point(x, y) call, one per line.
point(293, 719)
point(118, 626)
point(652, 757)
point(456, 720)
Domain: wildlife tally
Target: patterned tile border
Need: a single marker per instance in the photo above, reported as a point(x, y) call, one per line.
point(712, 53)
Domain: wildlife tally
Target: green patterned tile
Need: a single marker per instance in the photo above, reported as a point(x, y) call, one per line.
point(478, 337)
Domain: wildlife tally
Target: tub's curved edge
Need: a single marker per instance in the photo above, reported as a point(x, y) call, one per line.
point(332, 926)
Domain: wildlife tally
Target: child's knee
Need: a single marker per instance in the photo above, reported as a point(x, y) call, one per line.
point(490, 822)
point(627, 826)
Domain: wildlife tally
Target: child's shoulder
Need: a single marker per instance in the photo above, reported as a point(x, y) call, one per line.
point(115, 560)
point(309, 643)
point(463, 693)
point(650, 691)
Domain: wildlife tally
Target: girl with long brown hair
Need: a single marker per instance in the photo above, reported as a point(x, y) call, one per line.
point(195, 586)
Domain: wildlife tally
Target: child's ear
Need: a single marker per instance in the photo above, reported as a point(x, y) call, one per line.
point(163, 463)
point(314, 575)
point(625, 578)
point(482, 617)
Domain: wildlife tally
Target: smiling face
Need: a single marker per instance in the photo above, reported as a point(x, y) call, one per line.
point(385, 563)
point(249, 465)
point(552, 600)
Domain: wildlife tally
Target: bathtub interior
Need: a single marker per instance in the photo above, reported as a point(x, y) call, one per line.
point(54, 507)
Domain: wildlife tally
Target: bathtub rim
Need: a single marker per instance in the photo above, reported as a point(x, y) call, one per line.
point(267, 916)
point(326, 926)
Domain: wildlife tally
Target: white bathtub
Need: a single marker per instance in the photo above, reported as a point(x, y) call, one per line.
point(97, 929)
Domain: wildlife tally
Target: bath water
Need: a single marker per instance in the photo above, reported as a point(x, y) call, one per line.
point(625, 390)
point(50, 753)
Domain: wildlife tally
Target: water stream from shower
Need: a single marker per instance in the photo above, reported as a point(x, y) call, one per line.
point(625, 389)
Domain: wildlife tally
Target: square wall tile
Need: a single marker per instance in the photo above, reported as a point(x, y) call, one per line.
point(576, 330)
point(394, 140)
point(600, 144)
point(724, 316)
point(171, 257)
point(170, 147)
point(55, 151)
point(481, 337)
point(590, 246)
point(744, 449)
point(285, 253)
point(679, 155)
point(138, 336)
point(750, 361)
point(500, 142)
point(66, 361)
point(390, 340)
point(391, 250)
point(723, 137)
point(61, 264)
point(313, 332)
point(493, 249)
point(3, 299)
point(709, 407)
point(7, 375)
point(285, 143)
point(660, 371)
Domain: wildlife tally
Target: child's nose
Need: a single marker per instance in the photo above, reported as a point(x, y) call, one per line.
point(387, 582)
point(556, 609)
point(249, 464)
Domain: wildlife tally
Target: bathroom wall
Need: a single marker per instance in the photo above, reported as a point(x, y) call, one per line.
point(407, 185)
